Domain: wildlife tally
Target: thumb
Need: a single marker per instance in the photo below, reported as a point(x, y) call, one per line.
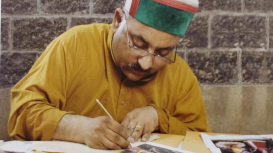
point(146, 137)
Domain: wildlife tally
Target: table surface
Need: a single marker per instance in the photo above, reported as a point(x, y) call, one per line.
point(192, 141)
point(165, 139)
point(170, 140)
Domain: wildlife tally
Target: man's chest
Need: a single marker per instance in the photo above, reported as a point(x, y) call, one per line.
point(118, 98)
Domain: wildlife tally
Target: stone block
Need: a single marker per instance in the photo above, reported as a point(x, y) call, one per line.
point(259, 5)
point(5, 110)
point(238, 109)
point(107, 6)
point(217, 67)
point(19, 7)
point(78, 7)
point(271, 32)
point(257, 110)
point(223, 5)
point(197, 33)
point(4, 33)
point(238, 31)
point(14, 66)
point(223, 105)
point(257, 67)
point(37, 33)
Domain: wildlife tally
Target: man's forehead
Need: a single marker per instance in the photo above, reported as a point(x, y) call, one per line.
point(150, 35)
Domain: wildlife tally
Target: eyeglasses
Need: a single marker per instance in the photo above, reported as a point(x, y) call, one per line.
point(157, 58)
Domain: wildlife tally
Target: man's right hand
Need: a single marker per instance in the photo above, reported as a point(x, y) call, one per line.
point(98, 133)
point(106, 133)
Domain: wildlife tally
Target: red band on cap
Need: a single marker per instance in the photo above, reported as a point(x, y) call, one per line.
point(133, 8)
point(178, 5)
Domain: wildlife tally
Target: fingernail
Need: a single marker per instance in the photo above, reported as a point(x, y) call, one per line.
point(130, 139)
point(144, 139)
point(129, 147)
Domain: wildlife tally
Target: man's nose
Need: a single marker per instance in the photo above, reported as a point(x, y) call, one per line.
point(146, 62)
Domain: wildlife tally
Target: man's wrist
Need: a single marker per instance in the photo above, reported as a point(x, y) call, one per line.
point(71, 128)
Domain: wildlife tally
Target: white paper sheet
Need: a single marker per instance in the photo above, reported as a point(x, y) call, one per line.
point(168, 147)
point(56, 146)
point(180, 145)
point(67, 147)
point(207, 139)
point(17, 146)
point(139, 142)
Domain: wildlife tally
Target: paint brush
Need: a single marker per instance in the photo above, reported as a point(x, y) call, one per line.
point(104, 109)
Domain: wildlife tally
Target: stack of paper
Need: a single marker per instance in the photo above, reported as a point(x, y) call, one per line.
point(55, 146)
point(219, 143)
point(171, 141)
point(240, 143)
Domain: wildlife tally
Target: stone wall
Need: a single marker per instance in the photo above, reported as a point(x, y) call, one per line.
point(229, 46)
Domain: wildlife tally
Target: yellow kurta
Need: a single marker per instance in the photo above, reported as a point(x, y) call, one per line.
point(77, 68)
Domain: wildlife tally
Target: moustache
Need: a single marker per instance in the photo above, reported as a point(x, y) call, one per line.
point(137, 67)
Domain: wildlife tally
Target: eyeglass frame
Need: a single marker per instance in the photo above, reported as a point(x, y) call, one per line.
point(148, 53)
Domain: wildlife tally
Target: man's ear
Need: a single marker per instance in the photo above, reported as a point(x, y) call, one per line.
point(117, 19)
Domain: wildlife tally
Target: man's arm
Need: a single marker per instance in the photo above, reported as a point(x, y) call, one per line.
point(100, 133)
point(69, 128)
point(38, 99)
point(189, 113)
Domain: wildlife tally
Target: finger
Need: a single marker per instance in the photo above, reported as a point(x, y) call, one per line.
point(146, 133)
point(110, 145)
point(99, 146)
point(117, 139)
point(119, 129)
point(131, 127)
point(146, 137)
point(96, 145)
point(137, 132)
point(125, 121)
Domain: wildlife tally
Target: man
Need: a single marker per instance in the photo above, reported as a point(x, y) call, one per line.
point(130, 66)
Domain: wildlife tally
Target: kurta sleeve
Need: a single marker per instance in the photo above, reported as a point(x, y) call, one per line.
point(37, 100)
point(186, 112)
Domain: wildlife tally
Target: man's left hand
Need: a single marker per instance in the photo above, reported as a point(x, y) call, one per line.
point(141, 122)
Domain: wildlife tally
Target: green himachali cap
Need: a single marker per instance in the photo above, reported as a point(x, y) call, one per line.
point(171, 16)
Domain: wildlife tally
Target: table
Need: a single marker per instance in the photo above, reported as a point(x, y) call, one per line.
point(170, 140)
point(165, 139)
point(194, 143)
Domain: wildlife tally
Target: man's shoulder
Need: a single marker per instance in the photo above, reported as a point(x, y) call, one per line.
point(95, 27)
point(90, 31)
point(85, 42)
